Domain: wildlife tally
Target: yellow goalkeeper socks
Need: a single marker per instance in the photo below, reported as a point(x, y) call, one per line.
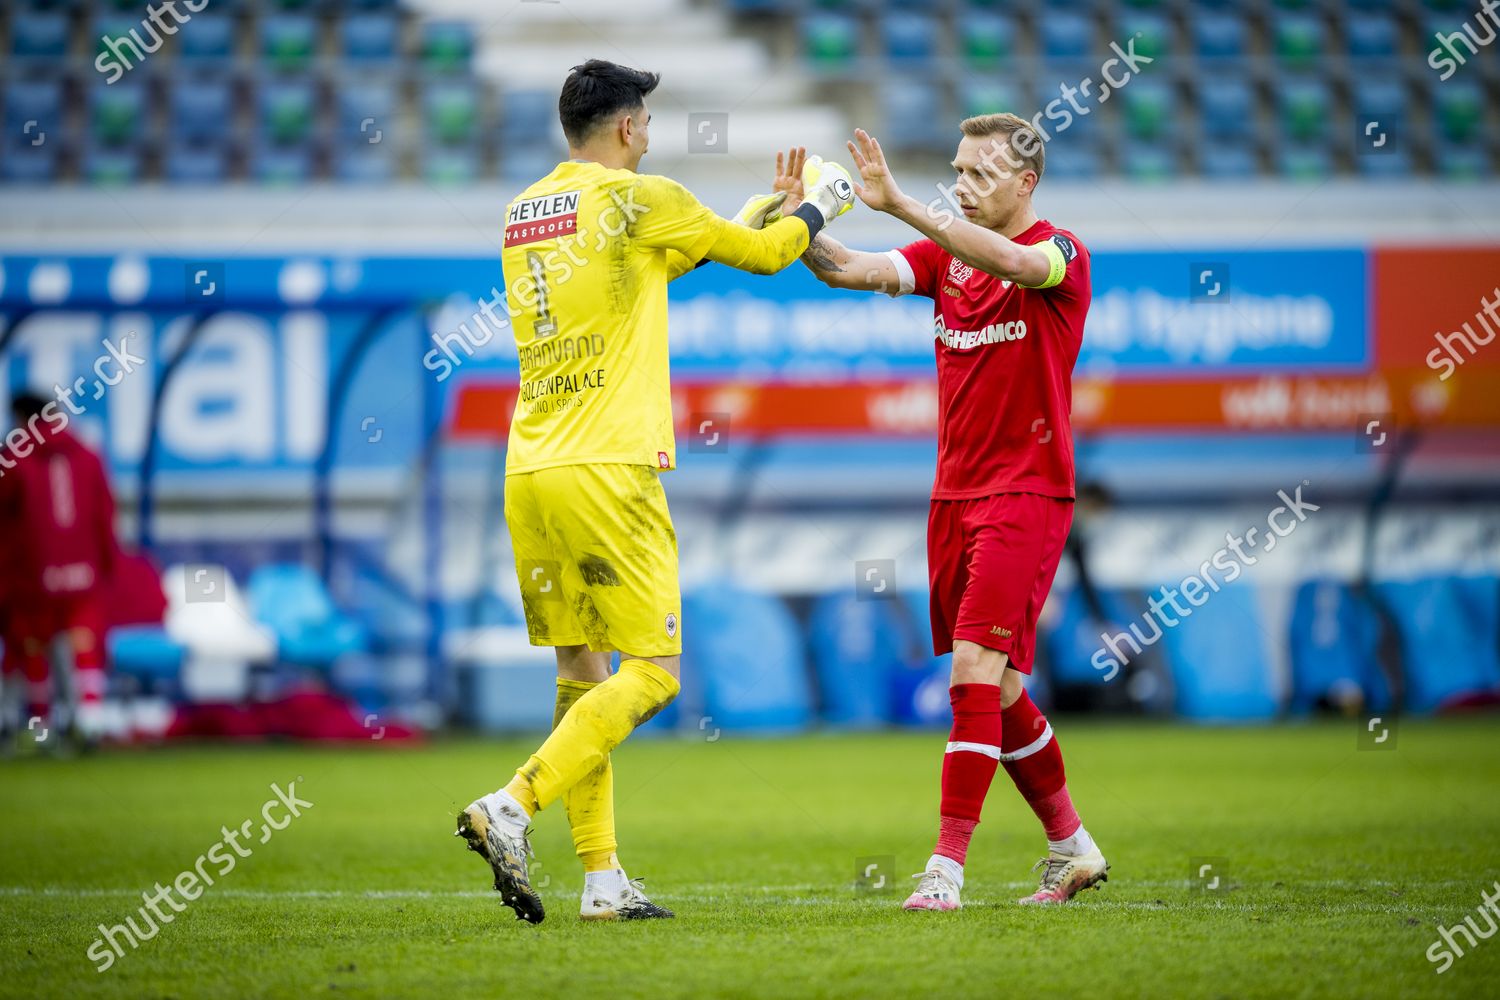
point(590, 803)
point(596, 723)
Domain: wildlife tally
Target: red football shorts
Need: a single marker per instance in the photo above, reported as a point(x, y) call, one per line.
point(990, 563)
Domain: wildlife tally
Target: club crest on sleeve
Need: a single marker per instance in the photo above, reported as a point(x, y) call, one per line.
point(671, 625)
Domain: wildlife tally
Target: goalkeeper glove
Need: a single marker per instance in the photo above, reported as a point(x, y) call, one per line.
point(761, 210)
point(828, 186)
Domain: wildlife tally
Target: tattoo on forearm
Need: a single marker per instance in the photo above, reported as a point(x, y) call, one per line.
point(820, 256)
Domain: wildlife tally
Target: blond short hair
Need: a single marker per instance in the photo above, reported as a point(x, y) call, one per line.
point(1026, 145)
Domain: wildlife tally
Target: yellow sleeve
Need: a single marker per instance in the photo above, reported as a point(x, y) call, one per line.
point(759, 251)
point(678, 265)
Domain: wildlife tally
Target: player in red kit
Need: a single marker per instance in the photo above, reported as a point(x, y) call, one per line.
point(1011, 292)
point(57, 522)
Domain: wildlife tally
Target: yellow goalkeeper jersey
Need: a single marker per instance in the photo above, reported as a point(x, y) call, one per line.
point(587, 256)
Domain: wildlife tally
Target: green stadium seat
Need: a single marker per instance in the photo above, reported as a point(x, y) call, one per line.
point(831, 41)
point(1304, 163)
point(981, 97)
point(116, 113)
point(288, 41)
point(1150, 108)
point(1152, 33)
point(1458, 109)
point(987, 41)
point(1303, 108)
point(1298, 39)
point(447, 46)
point(450, 112)
point(285, 110)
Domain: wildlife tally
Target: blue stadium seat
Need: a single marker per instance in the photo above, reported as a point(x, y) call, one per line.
point(211, 39)
point(365, 107)
point(1082, 161)
point(1304, 161)
point(200, 107)
point(24, 163)
point(1220, 35)
point(1157, 160)
point(1227, 104)
point(369, 37)
point(1372, 35)
point(1381, 100)
point(33, 109)
point(292, 601)
point(1065, 34)
point(448, 166)
point(1218, 658)
point(857, 648)
point(910, 40)
point(1333, 643)
point(1228, 159)
point(1448, 627)
point(105, 166)
point(528, 115)
point(196, 160)
point(914, 114)
point(748, 651)
point(359, 162)
point(281, 166)
point(38, 35)
point(1391, 163)
point(1462, 162)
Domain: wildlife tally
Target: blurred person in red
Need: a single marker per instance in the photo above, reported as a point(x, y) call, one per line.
point(57, 526)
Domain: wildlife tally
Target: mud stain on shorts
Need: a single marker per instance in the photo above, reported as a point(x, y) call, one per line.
point(598, 571)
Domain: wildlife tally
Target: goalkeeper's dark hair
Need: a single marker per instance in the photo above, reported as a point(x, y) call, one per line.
point(27, 405)
point(597, 91)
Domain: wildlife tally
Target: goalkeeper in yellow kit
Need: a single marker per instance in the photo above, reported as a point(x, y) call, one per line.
point(588, 252)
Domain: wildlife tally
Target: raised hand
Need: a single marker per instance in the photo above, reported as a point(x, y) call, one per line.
point(789, 177)
point(879, 190)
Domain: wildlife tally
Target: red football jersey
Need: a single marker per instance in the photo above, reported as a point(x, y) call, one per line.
point(1005, 358)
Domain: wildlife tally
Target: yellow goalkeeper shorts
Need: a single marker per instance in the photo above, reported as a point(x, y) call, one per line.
point(596, 555)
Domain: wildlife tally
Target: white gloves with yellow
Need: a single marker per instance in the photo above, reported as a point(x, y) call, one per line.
point(827, 187)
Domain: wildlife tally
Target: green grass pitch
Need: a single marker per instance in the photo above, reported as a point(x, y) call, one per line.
point(1338, 866)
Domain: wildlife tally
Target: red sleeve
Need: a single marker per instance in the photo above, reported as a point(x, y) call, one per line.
point(926, 259)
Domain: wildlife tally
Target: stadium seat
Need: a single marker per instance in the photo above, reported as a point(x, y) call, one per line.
point(1462, 163)
point(1218, 659)
point(984, 97)
point(1372, 35)
point(1150, 109)
point(1304, 162)
point(33, 110)
point(1448, 627)
point(450, 166)
point(450, 111)
point(1303, 108)
point(24, 163)
point(117, 112)
point(211, 39)
point(910, 40)
point(285, 110)
point(1458, 110)
point(281, 167)
point(1383, 101)
point(1076, 162)
point(38, 35)
point(528, 115)
point(1298, 39)
point(987, 40)
point(447, 46)
point(1150, 31)
point(369, 37)
point(1227, 106)
point(831, 42)
point(105, 166)
point(1219, 35)
point(1065, 34)
point(288, 42)
point(1333, 646)
point(1226, 159)
point(199, 107)
point(914, 114)
point(857, 648)
point(310, 631)
point(1154, 161)
point(196, 160)
point(365, 162)
point(365, 109)
point(748, 652)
